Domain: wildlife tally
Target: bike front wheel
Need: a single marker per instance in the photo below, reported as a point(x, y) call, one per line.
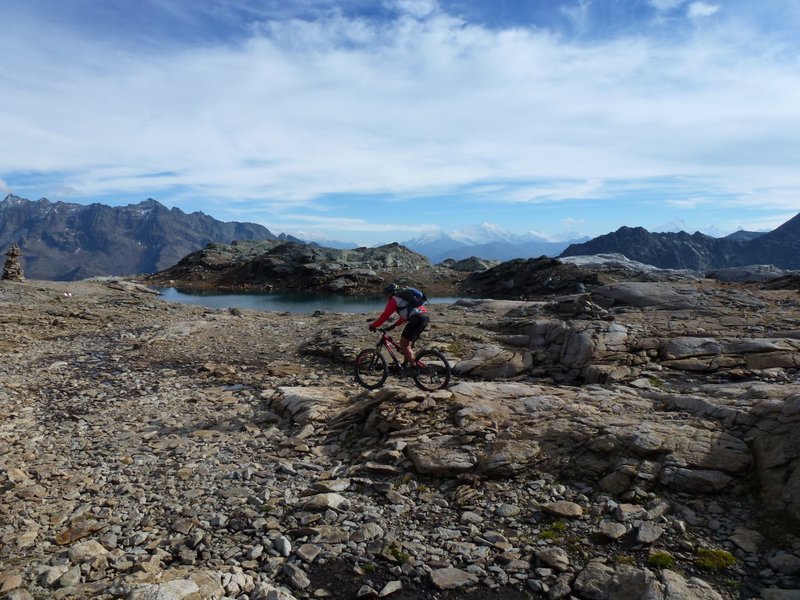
point(371, 369)
point(433, 371)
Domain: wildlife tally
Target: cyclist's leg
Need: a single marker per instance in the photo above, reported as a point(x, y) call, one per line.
point(416, 325)
point(408, 351)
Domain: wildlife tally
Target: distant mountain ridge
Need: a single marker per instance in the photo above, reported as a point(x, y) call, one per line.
point(64, 241)
point(487, 241)
point(780, 248)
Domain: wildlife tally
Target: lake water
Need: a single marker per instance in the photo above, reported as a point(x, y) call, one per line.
point(277, 302)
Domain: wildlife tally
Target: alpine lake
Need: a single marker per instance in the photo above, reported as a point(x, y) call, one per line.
point(283, 302)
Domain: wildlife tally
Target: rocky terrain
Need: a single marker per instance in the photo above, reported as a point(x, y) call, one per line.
point(618, 440)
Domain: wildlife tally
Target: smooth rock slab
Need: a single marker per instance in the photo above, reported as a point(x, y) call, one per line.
point(647, 293)
point(593, 581)
point(629, 512)
point(697, 481)
point(747, 539)
point(366, 591)
point(508, 457)
point(308, 552)
point(308, 404)
point(326, 501)
point(611, 530)
point(442, 458)
point(451, 578)
point(390, 588)
point(173, 590)
point(86, 551)
point(678, 588)
point(563, 508)
point(492, 362)
point(648, 533)
point(556, 558)
point(10, 581)
point(297, 577)
point(266, 591)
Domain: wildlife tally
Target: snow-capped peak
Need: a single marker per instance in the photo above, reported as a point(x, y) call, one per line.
point(431, 236)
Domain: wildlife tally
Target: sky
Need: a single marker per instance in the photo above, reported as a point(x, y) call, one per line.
point(380, 121)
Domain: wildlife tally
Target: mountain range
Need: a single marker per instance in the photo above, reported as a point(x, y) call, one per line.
point(488, 241)
point(64, 242)
point(697, 251)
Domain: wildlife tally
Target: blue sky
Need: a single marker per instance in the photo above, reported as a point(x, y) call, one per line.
point(372, 121)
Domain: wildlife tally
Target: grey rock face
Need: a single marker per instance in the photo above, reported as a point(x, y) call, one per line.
point(642, 294)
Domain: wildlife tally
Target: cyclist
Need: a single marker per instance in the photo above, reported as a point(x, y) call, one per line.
point(415, 317)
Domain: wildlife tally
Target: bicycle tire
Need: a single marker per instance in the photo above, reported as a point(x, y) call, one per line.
point(435, 375)
point(371, 369)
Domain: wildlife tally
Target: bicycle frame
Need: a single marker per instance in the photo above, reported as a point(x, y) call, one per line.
point(431, 372)
point(387, 341)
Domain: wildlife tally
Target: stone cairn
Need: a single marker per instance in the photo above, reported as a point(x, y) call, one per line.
point(12, 270)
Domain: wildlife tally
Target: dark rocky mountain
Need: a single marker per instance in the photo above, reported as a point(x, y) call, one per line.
point(666, 250)
point(779, 247)
point(697, 251)
point(280, 266)
point(744, 236)
point(524, 279)
point(64, 242)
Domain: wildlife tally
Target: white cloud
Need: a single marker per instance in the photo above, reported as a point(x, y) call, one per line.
point(319, 227)
point(557, 191)
point(4, 189)
point(415, 106)
point(699, 10)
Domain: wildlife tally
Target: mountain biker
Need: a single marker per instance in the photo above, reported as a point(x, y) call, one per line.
point(416, 318)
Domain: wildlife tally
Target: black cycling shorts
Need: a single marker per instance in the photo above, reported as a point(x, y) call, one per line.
point(415, 326)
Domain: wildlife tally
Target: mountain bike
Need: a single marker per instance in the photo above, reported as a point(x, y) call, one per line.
point(431, 373)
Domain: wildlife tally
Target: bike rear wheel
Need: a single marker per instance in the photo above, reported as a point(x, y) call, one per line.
point(433, 371)
point(371, 369)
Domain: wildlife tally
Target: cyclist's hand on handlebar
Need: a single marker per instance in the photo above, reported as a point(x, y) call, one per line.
point(372, 328)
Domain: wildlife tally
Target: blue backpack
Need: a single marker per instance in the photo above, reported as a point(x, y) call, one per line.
point(414, 297)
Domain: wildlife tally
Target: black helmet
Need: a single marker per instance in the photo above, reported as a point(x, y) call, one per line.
point(391, 289)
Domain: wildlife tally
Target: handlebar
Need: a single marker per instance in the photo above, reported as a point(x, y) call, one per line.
point(386, 328)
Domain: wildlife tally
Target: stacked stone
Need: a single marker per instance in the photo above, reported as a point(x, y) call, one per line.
point(12, 270)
